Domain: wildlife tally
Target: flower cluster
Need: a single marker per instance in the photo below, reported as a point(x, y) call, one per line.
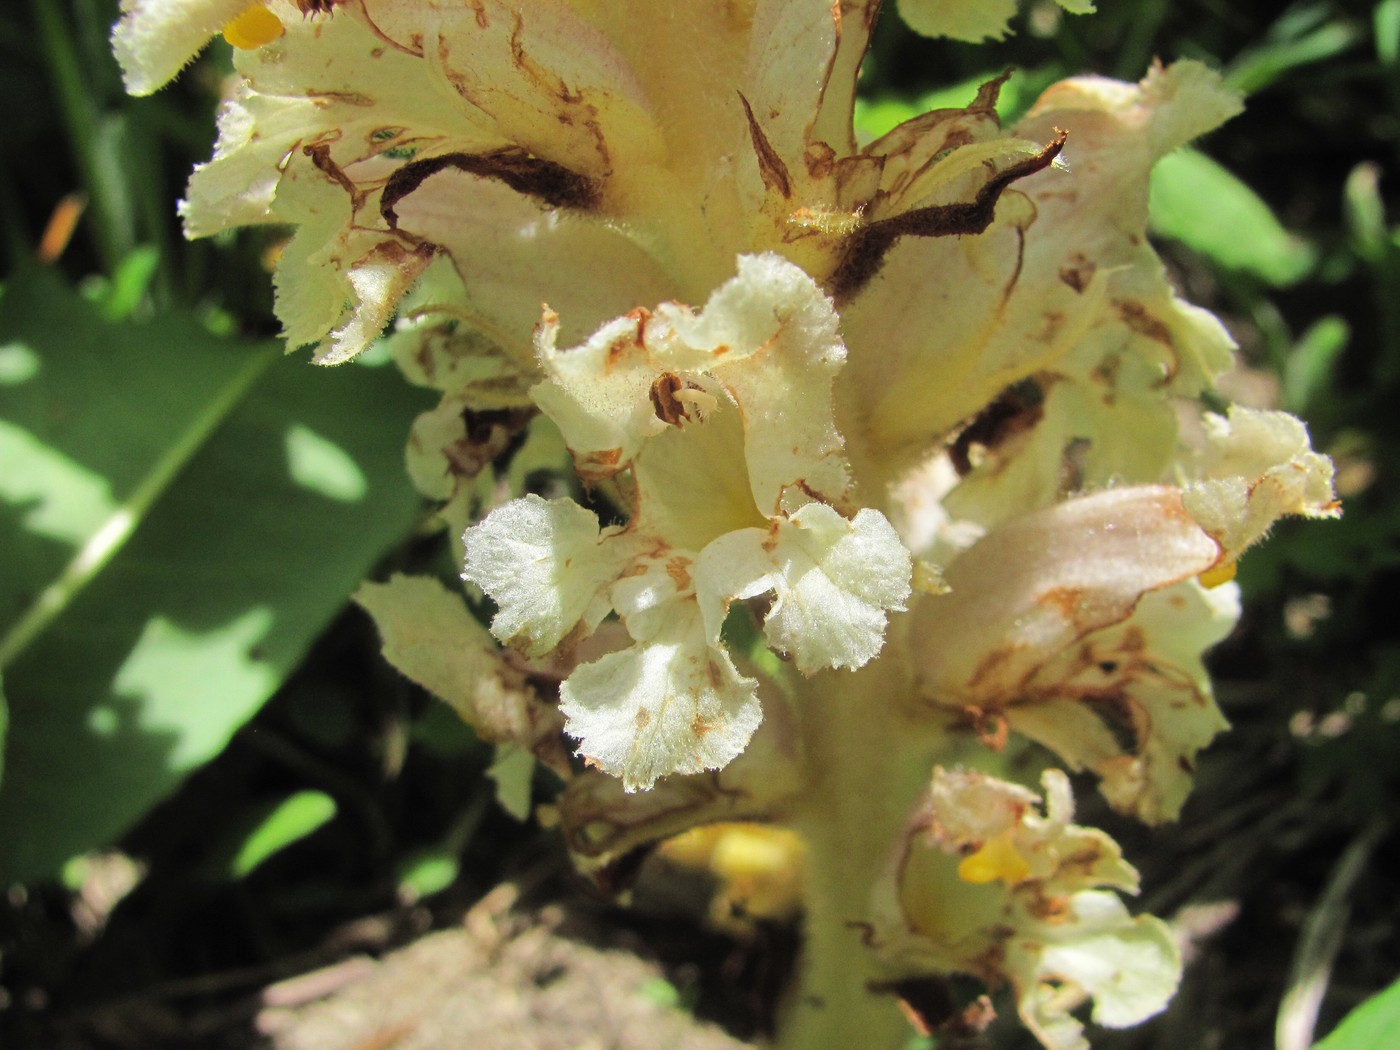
point(879, 448)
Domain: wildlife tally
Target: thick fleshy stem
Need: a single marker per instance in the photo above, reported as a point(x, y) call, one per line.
point(867, 762)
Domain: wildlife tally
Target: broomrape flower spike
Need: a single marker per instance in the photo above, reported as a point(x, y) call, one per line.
point(887, 438)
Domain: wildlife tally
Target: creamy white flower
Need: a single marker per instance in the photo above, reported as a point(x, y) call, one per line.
point(1046, 630)
point(721, 423)
point(982, 883)
point(1257, 467)
point(546, 565)
point(1003, 381)
point(833, 582)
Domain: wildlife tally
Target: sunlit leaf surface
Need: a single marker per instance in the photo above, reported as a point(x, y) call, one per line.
point(184, 515)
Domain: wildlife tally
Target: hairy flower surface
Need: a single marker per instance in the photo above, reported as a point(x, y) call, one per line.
point(722, 420)
point(923, 416)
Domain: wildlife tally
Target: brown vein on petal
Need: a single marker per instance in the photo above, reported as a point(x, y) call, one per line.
point(867, 247)
point(320, 154)
point(770, 165)
point(532, 176)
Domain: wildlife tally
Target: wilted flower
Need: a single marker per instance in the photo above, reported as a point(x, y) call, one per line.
point(809, 385)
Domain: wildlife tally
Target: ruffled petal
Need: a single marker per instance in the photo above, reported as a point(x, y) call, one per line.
point(834, 582)
point(546, 566)
point(671, 704)
point(1258, 467)
point(155, 39)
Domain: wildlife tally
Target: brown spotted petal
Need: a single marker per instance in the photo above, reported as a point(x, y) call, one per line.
point(1144, 349)
point(543, 72)
point(320, 120)
point(1133, 703)
point(1045, 580)
point(1062, 283)
point(603, 821)
point(1039, 632)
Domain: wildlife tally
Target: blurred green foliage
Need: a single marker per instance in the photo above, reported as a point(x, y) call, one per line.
point(1372, 1025)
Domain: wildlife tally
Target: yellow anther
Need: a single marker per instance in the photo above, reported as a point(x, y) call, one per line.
point(997, 859)
point(1214, 577)
point(253, 28)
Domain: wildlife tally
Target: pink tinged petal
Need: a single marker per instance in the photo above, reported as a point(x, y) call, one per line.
point(1041, 582)
point(589, 271)
point(672, 704)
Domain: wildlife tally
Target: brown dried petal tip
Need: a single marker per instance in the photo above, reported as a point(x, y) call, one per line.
point(866, 248)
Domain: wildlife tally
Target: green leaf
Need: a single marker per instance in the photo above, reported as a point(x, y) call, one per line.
point(1370, 1026)
point(1308, 373)
point(1365, 212)
point(514, 774)
point(1386, 23)
point(130, 283)
point(182, 515)
point(1296, 39)
point(1199, 203)
point(429, 871)
point(4, 725)
point(661, 992)
point(292, 820)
